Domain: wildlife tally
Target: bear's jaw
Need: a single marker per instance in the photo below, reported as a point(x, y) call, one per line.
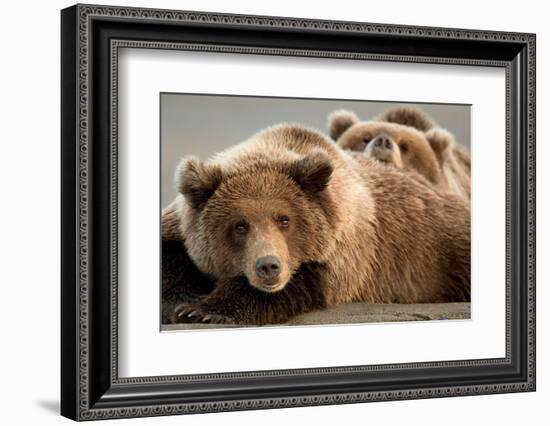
point(271, 288)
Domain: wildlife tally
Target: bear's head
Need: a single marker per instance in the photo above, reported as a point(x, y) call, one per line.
point(403, 137)
point(261, 219)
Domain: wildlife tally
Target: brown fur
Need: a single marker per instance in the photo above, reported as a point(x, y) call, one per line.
point(181, 279)
point(235, 301)
point(408, 116)
point(417, 145)
point(357, 231)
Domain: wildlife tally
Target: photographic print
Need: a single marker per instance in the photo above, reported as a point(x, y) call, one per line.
point(293, 211)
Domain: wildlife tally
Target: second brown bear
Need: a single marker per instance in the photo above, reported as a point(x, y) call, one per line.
point(408, 139)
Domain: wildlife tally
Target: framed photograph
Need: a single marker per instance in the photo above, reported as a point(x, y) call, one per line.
point(263, 212)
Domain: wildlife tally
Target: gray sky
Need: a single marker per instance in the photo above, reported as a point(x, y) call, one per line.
point(202, 125)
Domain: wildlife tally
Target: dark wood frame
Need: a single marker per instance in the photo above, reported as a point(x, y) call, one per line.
point(90, 386)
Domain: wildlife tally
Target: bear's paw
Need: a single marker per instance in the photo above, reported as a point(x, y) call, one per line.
point(199, 313)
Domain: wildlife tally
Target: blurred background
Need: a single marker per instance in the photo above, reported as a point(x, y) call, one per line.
point(203, 125)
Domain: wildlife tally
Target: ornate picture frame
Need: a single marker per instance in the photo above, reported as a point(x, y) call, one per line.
point(91, 37)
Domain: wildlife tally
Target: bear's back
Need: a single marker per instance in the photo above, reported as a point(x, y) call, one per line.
point(283, 143)
point(413, 246)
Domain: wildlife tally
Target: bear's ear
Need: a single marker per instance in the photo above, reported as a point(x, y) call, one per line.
point(313, 172)
point(440, 140)
point(197, 181)
point(408, 116)
point(339, 121)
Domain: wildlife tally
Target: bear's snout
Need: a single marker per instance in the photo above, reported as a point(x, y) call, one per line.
point(384, 149)
point(268, 267)
point(382, 142)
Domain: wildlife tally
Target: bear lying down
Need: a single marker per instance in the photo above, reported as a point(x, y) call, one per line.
point(288, 222)
point(408, 139)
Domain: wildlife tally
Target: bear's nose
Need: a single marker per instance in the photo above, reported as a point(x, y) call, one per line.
point(268, 267)
point(382, 141)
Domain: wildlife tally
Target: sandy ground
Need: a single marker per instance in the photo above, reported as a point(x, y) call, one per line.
point(354, 313)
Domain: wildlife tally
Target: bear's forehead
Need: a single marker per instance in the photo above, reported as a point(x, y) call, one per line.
point(396, 131)
point(258, 204)
point(257, 184)
point(255, 209)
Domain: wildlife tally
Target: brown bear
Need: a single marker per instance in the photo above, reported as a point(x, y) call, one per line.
point(408, 139)
point(181, 279)
point(288, 222)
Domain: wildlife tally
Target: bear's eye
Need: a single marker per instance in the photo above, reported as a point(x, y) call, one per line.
point(404, 147)
point(367, 140)
point(241, 228)
point(283, 222)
